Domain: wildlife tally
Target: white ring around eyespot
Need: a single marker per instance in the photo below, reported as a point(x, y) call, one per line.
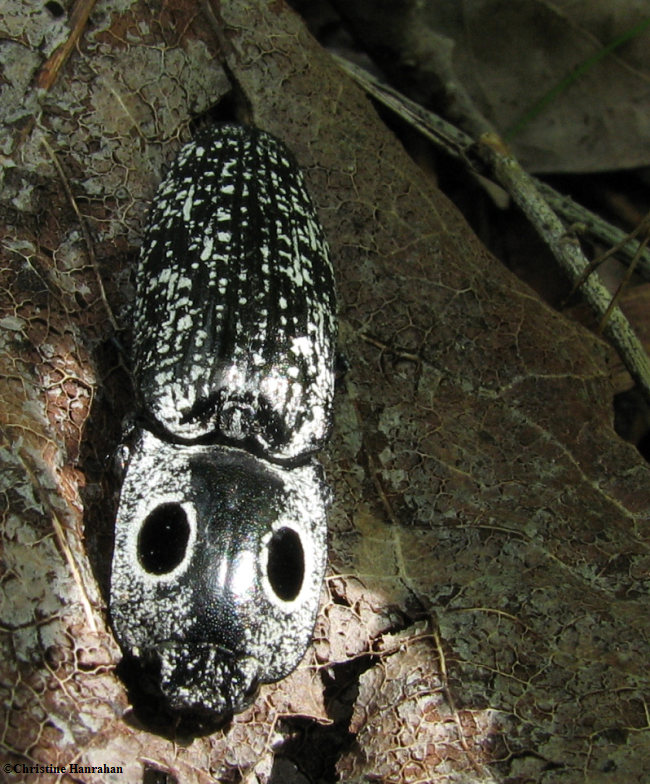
point(141, 513)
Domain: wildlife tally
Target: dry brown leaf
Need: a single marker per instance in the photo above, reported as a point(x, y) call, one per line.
point(493, 60)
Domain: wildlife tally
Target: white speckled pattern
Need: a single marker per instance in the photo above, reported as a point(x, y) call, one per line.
point(204, 617)
point(234, 318)
point(220, 537)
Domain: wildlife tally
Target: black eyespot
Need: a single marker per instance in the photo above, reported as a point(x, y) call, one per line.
point(163, 539)
point(286, 564)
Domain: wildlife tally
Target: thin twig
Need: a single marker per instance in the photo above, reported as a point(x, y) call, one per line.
point(55, 62)
point(566, 250)
point(460, 146)
point(492, 154)
point(621, 288)
point(90, 248)
point(624, 246)
point(62, 540)
point(442, 133)
point(644, 225)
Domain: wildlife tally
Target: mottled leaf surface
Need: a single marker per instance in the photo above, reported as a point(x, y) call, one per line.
point(489, 620)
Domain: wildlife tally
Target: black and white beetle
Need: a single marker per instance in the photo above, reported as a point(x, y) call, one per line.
point(220, 541)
